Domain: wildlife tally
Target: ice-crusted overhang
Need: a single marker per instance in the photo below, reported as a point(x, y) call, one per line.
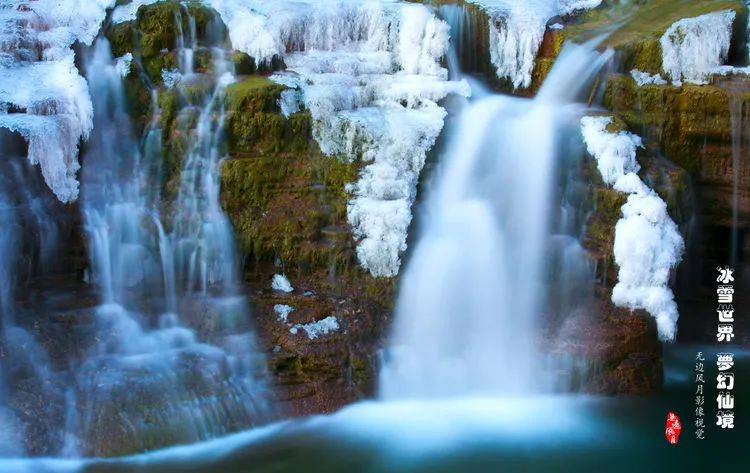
point(369, 73)
point(517, 29)
point(694, 48)
point(647, 243)
point(42, 96)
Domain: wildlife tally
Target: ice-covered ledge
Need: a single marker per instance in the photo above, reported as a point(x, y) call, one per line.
point(370, 74)
point(647, 242)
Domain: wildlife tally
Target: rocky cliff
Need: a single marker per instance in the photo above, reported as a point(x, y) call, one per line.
point(287, 200)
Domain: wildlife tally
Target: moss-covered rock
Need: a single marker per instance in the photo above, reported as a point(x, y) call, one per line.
point(287, 203)
point(255, 123)
point(243, 63)
point(154, 35)
point(639, 25)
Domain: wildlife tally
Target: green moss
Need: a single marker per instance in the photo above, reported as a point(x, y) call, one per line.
point(209, 29)
point(243, 63)
point(541, 69)
point(608, 204)
point(157, 26)
point(122, 38)
point(255, 124)
point(644, 55)
point(687, 122)
point(138, 100)
point(281, 203)
point(254, 93)
point(641, 24)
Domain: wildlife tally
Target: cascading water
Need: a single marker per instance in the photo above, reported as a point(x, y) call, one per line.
point(465, 321)
point(168, 356)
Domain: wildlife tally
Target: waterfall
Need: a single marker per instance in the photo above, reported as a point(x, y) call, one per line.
point(206, 255)
point(190, 354)
point(28, 243)
point(466, 320)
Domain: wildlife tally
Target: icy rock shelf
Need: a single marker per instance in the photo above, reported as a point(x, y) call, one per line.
point(647, 244)
point(693, 48)
point(369, 72)
point(42, 96)
point(517, 29)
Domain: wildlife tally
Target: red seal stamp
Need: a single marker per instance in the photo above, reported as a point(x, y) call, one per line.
point(673, 428)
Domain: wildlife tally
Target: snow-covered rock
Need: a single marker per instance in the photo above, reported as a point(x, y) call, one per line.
point(370, 74)
point(280, 283)
point(42, 96)
point(647, 243)
point(517, 29)
point(317, 329)
point(693, 47)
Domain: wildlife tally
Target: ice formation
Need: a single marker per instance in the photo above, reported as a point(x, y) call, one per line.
point(517, 29)
point(316, 329)
point(283, 311)
point(730, 70)
point(42, 96)
point(170, 77)
point(129, 11)
point(122, 64)
point(370, 74)
point(644, 78)
point(647, 244)
point(693, 47)
point(281, 283)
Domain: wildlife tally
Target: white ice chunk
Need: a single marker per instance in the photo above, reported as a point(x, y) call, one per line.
point(644, 78)
point(122, 64)
point(281, 283)
point(170, 77)
point(42, 96)
point(516, 29)
point(317, 329)
point(129, 11)
point(614, 152)
point(283, 311)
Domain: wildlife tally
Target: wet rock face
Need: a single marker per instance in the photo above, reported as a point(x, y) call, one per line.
point(696, 127)
point(288, 206)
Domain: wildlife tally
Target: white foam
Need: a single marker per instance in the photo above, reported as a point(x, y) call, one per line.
point(647, 243)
